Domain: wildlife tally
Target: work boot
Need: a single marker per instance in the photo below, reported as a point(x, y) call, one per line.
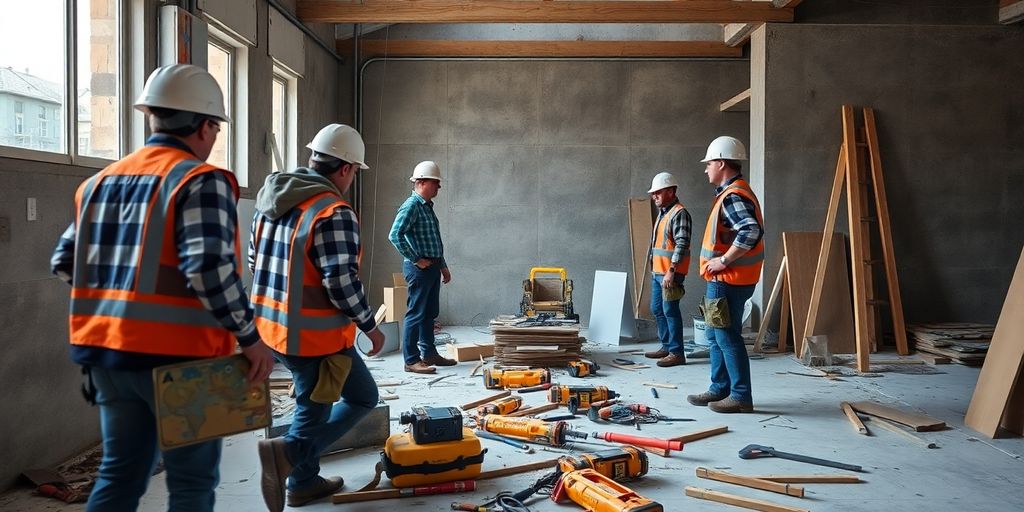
point(730, 405)
point(672, 359)
point(657, 354)
point(322, 488)
point(438, 360)
point(420, 367)
point(276, 467)
point(704, 398)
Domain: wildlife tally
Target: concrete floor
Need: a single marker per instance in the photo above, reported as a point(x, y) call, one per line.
point(794, 413)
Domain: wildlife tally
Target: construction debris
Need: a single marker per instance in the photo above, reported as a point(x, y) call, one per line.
point(963, 343)
point(535, 344)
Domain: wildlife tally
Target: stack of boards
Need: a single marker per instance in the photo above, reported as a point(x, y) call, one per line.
point(521, 343)
point(963, 343)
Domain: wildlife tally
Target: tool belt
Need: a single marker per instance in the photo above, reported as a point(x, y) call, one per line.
point(715, 312)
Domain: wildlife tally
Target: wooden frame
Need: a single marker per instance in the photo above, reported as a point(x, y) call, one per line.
point(737, 34)
point(476, 48)
point(738, 103)
point(1011, 11)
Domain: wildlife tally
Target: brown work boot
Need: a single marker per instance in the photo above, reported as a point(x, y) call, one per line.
point(704, 398)
point(438, 360)
point(657, 354)
point(420, 367)
point(276, 467)
point(672, 360)
point(730, 405)
point(323, 488)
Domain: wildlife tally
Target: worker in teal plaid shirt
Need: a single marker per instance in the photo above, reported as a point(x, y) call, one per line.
point(416, 234)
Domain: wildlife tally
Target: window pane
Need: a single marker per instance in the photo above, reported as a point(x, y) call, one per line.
point(98, 72)
point(220, 67)
point(32, 78)
point(280, 126)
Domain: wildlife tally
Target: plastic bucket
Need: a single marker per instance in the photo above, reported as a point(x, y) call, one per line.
point(698, 332)
point(392, 339)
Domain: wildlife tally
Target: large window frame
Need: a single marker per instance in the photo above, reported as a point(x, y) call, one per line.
point(286, 141)
point(236, 102)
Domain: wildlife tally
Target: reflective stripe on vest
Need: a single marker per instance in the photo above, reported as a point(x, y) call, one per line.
point(745, 270)
point(663, 244)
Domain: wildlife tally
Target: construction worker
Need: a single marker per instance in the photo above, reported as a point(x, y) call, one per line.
point(416, 234)
point(730, 261)
point(304, 256)
point(153, 264)
point(670, 259)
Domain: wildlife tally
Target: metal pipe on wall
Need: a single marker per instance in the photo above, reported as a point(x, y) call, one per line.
point(305, 30)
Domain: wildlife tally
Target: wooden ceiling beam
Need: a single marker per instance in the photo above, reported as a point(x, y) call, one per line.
point(442, 48)
point(737, 34)
point(540, 11)
point(1011, 11)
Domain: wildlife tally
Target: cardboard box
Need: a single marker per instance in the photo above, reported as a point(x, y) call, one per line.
point(470, 351)
point(395, 298)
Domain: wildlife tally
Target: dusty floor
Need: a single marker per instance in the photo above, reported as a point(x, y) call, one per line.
point(794, 413)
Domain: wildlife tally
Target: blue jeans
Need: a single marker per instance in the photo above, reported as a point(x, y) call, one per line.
point(422, 308)
point(667, 316)
point(130, 450)
point(316, 426)
point(730, 367)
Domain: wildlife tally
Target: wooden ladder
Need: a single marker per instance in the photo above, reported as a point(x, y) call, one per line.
point(860, 166)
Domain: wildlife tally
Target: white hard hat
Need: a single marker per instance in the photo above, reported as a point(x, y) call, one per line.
point(662, 180)
point(426, 170)
point(725, 148)
point(183, 87)
point(339, 141)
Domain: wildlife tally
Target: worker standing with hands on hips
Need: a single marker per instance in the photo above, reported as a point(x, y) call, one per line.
point(730, 261)
point(416, 234)
point(670, 259)
point(153, 264)
point(304, 256)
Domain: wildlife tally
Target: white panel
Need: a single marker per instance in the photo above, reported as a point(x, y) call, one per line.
point(235, 16)
point(611, 315)
point(287, 43)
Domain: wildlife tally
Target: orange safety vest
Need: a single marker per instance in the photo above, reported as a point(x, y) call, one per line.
point(718, 237)
point(664, 244)
point(304, 322)
point(159, 314)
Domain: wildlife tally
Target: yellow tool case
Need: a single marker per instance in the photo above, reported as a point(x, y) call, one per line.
point(408, 464)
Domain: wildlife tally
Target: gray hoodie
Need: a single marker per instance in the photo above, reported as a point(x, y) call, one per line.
point(283, 190)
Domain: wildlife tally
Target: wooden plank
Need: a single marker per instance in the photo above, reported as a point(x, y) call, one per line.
point(773, 300)
point(892, 427)
point(641, 235)
point(738, 103)
point(874, 317)
point(737, 34)
point(858, 425)
point(835, 314)
point(888, 251)
point(857, 256)
point(531, 411)
point(934, 359)
point(478, 48)
point(753, 483)
point(784, 320)
point(690, 437)
point(462, 352)
point(515, 470)
point(1011, 11)
point(491, 398)
point(826, 242)
point(999, 384)
point(511, 11)
point(811, 479)
point(739, 501)
point(918, 422)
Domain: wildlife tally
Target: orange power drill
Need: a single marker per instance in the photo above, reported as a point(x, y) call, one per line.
point(500, 406)
point(579, 397)
point(620, 463)
point(498, 379)
point(598, 493)
point(552, 433)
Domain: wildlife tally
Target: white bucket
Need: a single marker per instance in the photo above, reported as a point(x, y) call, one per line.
point(698, 332)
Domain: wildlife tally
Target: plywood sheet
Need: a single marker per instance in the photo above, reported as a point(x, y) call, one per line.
point(998, 396)
point(641, 233)
point(609, 313)
point(835, 313)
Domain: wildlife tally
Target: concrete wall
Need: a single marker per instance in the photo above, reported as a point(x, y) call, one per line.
point(45, 419)
point(950, 120)
point(899, 12)
point(539, 158)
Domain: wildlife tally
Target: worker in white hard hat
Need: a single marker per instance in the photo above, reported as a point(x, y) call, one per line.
point(670, 260)
point(730, 261)
point(151, 258)
point(416, 234)
point(305, 237)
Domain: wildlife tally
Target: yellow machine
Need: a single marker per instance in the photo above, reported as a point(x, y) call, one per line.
point(579, 397)
point(411, 464)
point(621, 463)
point(583, 368)
point(552, 433)
point(500, 406)
point(548, 295)
point(598, 493)
point(499, 379)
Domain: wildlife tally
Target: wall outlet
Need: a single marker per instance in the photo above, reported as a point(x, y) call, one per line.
point(30, 209)
point(5, 230)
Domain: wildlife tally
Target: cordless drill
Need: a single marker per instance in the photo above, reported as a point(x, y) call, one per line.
point(579, 397)
point(498, 379)
point(583, 368)
point(552, 433)
point(598, 493)
point(621, 463)
point(500, 406)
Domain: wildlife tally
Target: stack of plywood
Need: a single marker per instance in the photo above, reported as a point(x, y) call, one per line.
point(518, 343)
point(963, 343)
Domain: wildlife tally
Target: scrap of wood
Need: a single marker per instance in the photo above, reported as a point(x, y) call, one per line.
point(631, 351)
point(382, 311)
point(515, 470)
point(692, 436)
point(476, 368)
point(439, 379)
point(533, 410)
point(918, 422)
point(389, 383)
point(811, 479)
point(753, 483)
point(482, 401)
point(896, 361)
point(891, 427)
point(659, 385)
point(858, 425)
point(388, 396)
point(772, 299)
point(934, 359)
point(739, 501)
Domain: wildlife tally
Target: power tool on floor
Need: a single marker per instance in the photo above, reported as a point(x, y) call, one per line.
point(498, 379)
point(628, 414)
point(579, 397)
point(583, 368)
point(500, 406)
point(548, 295)
point(433, 424)
point(552, 433)
point(621, 463)
point(598, 493)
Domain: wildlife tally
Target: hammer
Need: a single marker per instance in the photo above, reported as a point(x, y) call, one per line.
point(756, 451)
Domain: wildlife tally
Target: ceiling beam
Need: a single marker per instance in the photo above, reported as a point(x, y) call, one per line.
point(476, 48)
point(737, 34)
point(1011, 11)
point(738, 103)
point(787, 3)
point(540, 11)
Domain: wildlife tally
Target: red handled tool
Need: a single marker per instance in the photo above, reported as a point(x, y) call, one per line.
point(650, 442)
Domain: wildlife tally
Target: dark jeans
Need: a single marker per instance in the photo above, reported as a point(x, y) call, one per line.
point(667, 316)
point(316, 426)
point(421, 310)
point(730, 367)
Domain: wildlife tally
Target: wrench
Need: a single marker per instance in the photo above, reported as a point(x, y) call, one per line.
point(755, 451)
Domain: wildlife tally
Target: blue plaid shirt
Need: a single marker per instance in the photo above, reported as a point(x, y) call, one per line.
point(741, 217)
point(204, 229)
point(416, 232)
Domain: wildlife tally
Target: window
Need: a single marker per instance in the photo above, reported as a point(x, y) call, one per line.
point(19, 118)
point(98, 77)
point(44, 127)
point(283, 127)
point(220, 65)
point(226, 61)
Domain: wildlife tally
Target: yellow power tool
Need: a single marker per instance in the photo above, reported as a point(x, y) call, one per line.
point(598, 493)
point(500, 406)
point(621, 463)
point(552, 433)
point(498, 379)
point(583, 368)
point(548, 295)
point(579, 397)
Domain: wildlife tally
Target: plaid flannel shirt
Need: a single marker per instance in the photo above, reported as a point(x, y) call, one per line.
point(741, 217)
point(416, 233)
point(681, 228)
